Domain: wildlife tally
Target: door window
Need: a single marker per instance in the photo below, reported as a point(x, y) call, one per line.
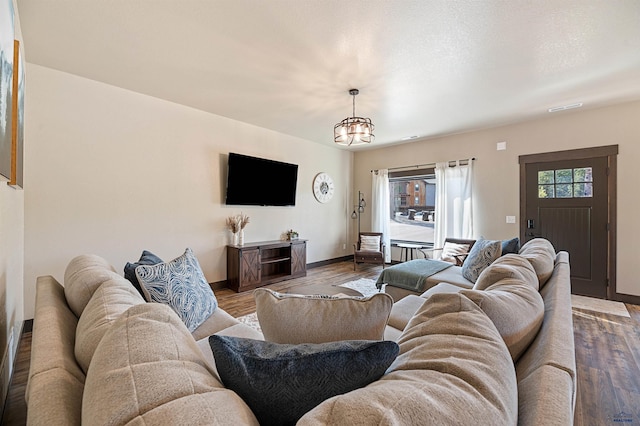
point(565, 183)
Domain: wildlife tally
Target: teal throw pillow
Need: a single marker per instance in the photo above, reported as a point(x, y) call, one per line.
point(282, 382)
point(180, 284)
point(482, 254)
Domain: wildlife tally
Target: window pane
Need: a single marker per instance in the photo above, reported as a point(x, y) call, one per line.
point(564, 176)
point(545, 191)
point(412, 206)
point(582, 190)
point(582, 175)
point(545, 177)
point(564, 190)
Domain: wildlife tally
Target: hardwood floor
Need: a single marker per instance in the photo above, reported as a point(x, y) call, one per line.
point(608, 367)
point(607, 353)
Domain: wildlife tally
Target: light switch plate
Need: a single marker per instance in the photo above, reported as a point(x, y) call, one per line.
point(511, 219)
point(501, 146)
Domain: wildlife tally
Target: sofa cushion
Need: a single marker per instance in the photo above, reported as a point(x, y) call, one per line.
point(453, 368)
point(110, 300)
point(82, 277)
point(180, 284)
point(482, 254)
point(148, 370)
point(516, 310)
point(217, 321)
point(281, 382)
point(511, 266)
point(452, 275)
point(403, 310)
point(542, 255)
point(442, 288)
point(147, 258)
point(293, 318)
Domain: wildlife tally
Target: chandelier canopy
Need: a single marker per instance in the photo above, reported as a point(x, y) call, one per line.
point(353, 130)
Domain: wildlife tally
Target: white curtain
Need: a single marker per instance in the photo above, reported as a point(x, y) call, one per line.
point(454, 202)
point(380, 208)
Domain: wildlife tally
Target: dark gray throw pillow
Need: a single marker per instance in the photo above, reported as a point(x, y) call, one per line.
point(147, 258)
point(282, 382)
point(511, 246)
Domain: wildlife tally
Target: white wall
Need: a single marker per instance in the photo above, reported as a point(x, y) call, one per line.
point(113, 172)
point(11, 276)
point(497, 172)
point(11, 267)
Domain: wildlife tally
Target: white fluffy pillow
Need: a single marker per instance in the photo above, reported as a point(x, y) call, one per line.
point(369, 243)
point(452, 249)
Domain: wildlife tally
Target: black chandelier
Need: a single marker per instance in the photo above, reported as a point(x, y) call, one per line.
point(353, 130)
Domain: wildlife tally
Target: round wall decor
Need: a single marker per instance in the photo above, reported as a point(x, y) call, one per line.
point(323, 187)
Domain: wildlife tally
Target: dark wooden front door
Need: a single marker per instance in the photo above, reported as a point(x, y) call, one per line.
point(567, 202)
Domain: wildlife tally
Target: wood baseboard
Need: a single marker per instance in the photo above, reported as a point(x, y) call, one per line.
point(627, 298)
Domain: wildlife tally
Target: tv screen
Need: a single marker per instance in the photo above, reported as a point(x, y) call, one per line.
point(253, 181)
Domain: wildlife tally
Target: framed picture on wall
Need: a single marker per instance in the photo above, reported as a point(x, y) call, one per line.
point(17, 128)
point(6, 76)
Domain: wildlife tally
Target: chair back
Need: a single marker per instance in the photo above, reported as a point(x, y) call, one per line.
point(460, 241)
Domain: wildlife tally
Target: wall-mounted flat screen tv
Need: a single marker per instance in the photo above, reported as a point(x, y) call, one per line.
point(253, 181)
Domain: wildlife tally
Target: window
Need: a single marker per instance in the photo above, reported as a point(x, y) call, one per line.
point(565, 183)
point(412, 204)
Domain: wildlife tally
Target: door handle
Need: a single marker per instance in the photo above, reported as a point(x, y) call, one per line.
point(530, 224)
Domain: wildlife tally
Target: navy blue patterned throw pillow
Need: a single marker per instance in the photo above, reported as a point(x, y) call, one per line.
point(511, 246)
point(147, 258)
point(281, 382)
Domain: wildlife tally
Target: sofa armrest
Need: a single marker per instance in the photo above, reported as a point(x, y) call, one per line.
point(54, 374)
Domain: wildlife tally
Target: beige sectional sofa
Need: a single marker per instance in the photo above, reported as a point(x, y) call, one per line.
point(546, 371)
point(101, 355)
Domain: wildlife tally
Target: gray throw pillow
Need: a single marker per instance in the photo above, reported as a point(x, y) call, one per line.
point(482, 254)
point(282, 382)
point(296, 318)
point(511, 246)
point(181, 285)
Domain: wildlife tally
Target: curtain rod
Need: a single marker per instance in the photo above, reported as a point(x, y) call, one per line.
point(417, 166)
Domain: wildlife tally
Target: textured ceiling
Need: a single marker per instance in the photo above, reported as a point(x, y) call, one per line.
point(424, 68)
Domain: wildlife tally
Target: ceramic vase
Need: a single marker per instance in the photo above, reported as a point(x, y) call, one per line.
point(241, 237)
